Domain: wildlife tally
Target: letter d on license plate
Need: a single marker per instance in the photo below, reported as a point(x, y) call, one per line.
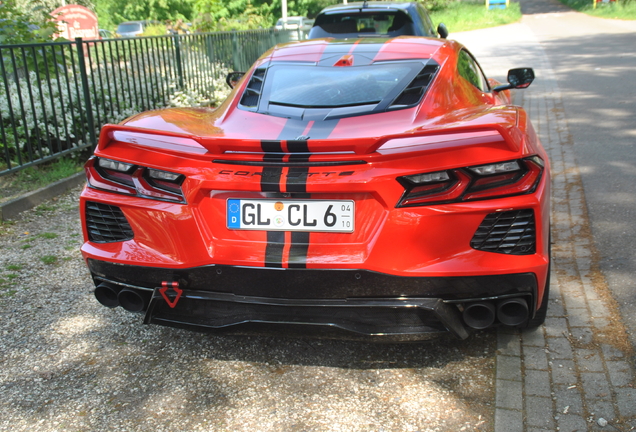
point(289, 215)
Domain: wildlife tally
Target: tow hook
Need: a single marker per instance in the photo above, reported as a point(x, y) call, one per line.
point(171, 293)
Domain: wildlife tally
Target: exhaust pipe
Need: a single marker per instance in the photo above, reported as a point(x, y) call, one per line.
point(512, 312)
point(132, 301)
point(479, 315)
point(107, 295)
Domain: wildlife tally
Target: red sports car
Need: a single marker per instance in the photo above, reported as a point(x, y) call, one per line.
point(381, 187)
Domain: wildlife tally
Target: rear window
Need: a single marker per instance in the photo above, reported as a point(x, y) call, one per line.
point(329, 87)
point(375, 23)
point(310, 90)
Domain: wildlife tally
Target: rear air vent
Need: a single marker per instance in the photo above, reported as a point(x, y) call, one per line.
point(253, 91)
point(413, 93)
point(106, 223)
point(511, 232)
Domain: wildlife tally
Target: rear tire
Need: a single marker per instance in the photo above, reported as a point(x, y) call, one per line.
point(540, 314)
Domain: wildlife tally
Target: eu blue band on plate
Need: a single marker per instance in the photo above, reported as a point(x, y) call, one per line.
point(233, 213)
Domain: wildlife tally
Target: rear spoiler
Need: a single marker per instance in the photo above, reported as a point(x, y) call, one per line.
point(501, 122)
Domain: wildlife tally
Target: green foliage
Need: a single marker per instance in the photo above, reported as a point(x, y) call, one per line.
point(215, 15)
point(438, 5)
point(48, 259)
point(18, 26)
point(308, 8)
point(113, 12)
point(621, 9)
point(39, 176)
point(463, 16)
point(155, 30)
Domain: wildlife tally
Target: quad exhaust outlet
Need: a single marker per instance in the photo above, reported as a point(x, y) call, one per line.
point(510, 312)
point(112, 296)
point(107, 295)
point(479, 315)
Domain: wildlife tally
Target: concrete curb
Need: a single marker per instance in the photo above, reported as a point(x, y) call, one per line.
point(11, 209)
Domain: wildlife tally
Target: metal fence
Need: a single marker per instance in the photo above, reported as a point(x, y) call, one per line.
point(54, 97)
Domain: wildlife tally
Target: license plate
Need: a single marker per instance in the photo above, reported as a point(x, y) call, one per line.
point(290, 215)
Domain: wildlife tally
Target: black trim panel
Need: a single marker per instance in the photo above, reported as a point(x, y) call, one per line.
point(316, 284)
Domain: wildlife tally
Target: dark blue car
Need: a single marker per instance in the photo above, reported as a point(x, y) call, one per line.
point(369, 19)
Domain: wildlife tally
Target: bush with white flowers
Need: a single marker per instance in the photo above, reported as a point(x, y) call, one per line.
point(44, 114)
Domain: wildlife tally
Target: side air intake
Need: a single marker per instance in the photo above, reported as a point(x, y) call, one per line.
point(413, 93)
point(253, 91)
point(511, 232)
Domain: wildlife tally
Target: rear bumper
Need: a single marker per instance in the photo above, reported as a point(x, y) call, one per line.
point(357, 301)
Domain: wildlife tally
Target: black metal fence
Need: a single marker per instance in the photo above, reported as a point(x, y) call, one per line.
point(54, 97)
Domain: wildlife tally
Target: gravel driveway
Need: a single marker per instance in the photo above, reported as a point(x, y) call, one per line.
point(68, 363)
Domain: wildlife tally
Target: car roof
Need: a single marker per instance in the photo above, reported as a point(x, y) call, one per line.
point(403, 47)
point(368, 5)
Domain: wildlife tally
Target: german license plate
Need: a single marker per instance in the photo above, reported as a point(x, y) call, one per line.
point(291, 215)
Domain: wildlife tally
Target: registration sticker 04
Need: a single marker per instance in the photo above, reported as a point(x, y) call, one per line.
point(291, 215)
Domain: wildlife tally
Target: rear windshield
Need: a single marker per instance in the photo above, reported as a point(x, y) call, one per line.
point(375, 23)
point(330, 87)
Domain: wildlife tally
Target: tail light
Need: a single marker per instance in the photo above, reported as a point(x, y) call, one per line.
point(496, 180)
point(129, 179)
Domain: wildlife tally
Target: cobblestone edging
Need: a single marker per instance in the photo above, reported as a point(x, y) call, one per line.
point(573, 374)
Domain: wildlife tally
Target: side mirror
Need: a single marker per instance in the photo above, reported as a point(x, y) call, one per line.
point(233, 78)
point(442, 30)
point(519, 78)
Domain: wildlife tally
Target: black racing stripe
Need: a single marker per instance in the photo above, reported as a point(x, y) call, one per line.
point(274, 249)
point(270, 177)
point(297, 146)
point(322, 129)
point(297, 176)
point(298, 250)
point(271, 146)
point(270, 182)
point(297, 180)
point(293, 129)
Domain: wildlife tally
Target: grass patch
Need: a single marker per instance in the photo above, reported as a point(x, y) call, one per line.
point(464, 16)
point(12, 276)
point(48, 235)
point(48, 259)
point(5, 226)
point(43, 208)
point(615, 10)
point(26, 246)
point(13, 267)
point(42, 175)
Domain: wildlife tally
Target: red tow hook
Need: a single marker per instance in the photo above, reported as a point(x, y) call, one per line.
point(175, 294)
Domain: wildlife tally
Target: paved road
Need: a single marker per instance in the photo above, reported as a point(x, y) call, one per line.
point(595, 65)
point(577, 372)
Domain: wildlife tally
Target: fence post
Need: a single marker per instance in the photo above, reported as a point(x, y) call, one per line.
point(177, 48)
point(86, 90)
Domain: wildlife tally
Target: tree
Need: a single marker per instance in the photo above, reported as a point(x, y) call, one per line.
point(217, 15)
point(112, 12)
point(20, 26)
